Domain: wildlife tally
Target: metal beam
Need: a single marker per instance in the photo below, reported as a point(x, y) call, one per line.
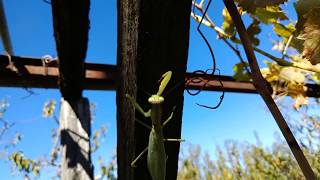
point(35, 73)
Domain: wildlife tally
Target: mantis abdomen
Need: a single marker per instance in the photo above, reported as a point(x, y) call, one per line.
point(156, 156)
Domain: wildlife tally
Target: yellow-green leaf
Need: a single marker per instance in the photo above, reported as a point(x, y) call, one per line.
point(240, 72)
point(282, 31)
point(227, 24)
point(270, 14)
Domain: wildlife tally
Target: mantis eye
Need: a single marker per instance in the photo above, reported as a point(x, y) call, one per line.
point(155, 99)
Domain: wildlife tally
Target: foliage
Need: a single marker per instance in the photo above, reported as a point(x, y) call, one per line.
point(251, 5)
point(299, 45)
point(33, 167)
point(240, 72)
point(297, 41)
point(254, 161)
point(24, 164)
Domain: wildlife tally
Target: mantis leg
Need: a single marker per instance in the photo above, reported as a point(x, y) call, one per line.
point(138, 157)
point(165, 78)
point(143, 124)
point(138, 107)
point(169, 118)
point(175, 140)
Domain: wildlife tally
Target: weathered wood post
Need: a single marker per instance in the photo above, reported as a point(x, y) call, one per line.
point(153, 37)
point(71, 26)
point(75, 140)
point(127, 54)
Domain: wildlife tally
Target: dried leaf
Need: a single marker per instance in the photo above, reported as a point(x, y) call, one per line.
point(291, 75)
point(303, 7)
point(48, 109)
point(310, 35)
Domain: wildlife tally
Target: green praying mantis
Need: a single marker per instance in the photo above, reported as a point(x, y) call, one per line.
point(156, 158)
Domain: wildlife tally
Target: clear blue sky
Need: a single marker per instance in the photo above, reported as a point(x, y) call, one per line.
point(31, 30)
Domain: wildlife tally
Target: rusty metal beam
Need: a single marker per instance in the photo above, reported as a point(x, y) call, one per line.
point(36, 74)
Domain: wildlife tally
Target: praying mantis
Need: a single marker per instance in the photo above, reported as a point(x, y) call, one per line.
point(156, 158)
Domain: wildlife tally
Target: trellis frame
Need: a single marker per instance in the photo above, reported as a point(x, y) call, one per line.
point(37, 73)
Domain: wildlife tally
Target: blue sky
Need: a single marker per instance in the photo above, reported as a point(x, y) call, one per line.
point(31, 30)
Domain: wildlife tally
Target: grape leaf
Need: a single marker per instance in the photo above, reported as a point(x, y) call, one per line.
point(228, 25)
point(270, 14)
point(283, 31)
point(310, 35)
point(252, 5)
point(292, 75)
point(240, 73)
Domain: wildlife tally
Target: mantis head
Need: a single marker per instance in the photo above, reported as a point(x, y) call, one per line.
point(155, 99)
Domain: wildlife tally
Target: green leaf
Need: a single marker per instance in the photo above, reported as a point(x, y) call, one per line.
point(316, 78)
point(310, 35)
point(228, 25)
point(240, 72)
point(283, 31)
point(26, 165)
point(270, 14)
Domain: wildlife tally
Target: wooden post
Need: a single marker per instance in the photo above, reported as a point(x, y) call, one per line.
point(71, 27)
point(153, 37)
point(163, 46)
point(75, 125)
point(127, 54)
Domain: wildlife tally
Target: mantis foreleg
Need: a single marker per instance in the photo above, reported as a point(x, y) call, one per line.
point(165, 80)
point(138, 107)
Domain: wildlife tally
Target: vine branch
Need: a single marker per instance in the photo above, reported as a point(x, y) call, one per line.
point(261, 85)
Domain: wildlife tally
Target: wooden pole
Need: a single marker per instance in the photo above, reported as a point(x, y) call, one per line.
point(71, 27)
point(127, 54)
point(75, 130)
point(163, 45)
